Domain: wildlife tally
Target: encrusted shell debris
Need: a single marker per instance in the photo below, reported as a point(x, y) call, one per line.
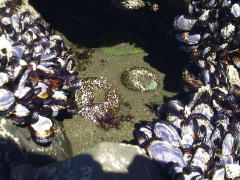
point(139, 79)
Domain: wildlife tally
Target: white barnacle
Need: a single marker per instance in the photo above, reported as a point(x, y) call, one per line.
point(227, 31)
point(232, 75)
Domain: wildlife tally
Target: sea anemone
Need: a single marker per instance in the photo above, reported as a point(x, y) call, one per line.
point(139, 79)
point(98, 100)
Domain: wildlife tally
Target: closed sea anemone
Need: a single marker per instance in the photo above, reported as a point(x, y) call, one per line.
point(139, 79)
point(98, 101)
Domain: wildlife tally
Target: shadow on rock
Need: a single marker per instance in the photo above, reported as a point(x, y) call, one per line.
point(87, 22)
point(17, 144)
point(10, 152)
point(85, 167)
point(11, 155)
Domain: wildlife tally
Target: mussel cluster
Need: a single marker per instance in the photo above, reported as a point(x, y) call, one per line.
point(200, 138)
point(36, 76)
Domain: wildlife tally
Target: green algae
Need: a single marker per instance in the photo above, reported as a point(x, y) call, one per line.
point(114, 44)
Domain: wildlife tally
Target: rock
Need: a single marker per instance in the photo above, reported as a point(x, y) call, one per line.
point(137, 4)
point(129, 4)
point(17, 144)
point(104, 161)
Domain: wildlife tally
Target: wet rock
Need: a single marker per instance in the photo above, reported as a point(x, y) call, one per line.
point(104, 161)
point(17, 144)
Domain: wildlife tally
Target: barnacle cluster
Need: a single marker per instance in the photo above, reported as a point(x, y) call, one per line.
point(199, 139)
point(98, 101)
point(36, 77)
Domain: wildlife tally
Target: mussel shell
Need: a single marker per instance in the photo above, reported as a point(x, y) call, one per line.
point(204, 126)
point(227, 32)
point(217, 135)
point(21, 115)
point(143, 134)
point(165, 154)
point(184, 23)
point(232, 171)
point(218, 174)
point(204, 109)
point(235, 10)
point(201, 158)
point(221, 119)
point(236, 61)
point(167, 132)
point(3, 78)
point(42, 131)
point(191, 172)
point(175, 118)
point(189, 130)
point(204, 16)
point(189, 39)
point(175, 105)
point(43, 140)
point(7, 100)
point(228, 144)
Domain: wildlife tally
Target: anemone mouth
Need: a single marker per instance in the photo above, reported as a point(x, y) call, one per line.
point(114, 44)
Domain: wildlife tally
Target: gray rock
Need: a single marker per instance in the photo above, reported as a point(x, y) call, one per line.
point(17, 144)
point(104, 161)
point(137, 4)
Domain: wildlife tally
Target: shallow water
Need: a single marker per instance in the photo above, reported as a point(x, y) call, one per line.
point(83, 133)
point(84, 24)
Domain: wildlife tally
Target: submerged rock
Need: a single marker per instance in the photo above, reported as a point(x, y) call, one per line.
point(17, 144)
point(104, 161)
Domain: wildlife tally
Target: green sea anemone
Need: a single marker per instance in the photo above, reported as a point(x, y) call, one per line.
point(139, 79)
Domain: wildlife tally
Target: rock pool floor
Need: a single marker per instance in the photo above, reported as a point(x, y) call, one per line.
point(83, 133)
